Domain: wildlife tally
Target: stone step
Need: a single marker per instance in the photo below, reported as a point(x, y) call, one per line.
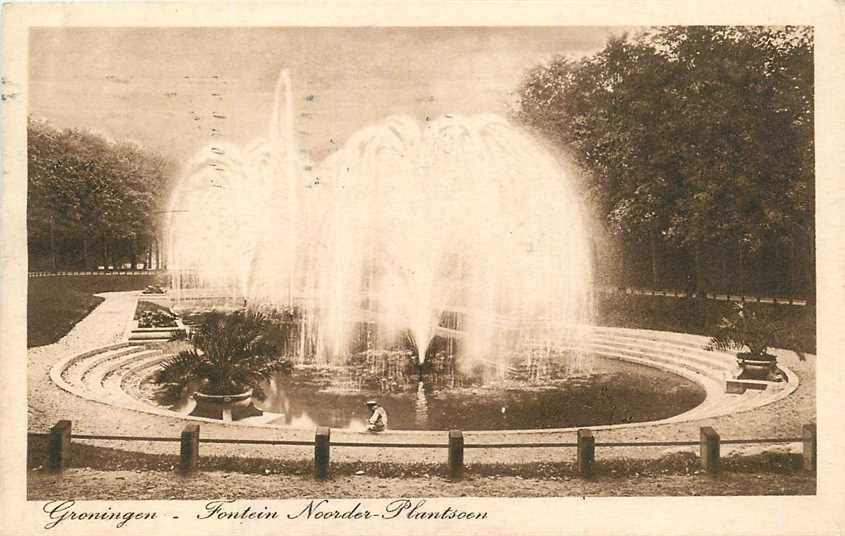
point(141, 373)
point(681, 339)
point(689, 360)
point(704, 355)
point(648, 358)
point(709, 383)
point(712, 388)
point(112, 385)
point(162, 334)
point(113, 381)
point(76, 371)
point(93, 378)
point(706, 358)
point(658, 344)
point(131, 382)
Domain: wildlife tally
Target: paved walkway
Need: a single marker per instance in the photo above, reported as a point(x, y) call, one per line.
point(106, 324)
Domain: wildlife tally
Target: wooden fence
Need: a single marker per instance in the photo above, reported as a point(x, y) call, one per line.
point(709, 442)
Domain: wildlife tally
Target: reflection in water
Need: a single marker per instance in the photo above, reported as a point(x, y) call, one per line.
point(613, 392)
point(421, 407)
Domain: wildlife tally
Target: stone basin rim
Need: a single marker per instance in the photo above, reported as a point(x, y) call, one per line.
point(710, 386)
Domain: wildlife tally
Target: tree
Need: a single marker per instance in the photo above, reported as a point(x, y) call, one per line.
point(697, 138)
point(85, 189)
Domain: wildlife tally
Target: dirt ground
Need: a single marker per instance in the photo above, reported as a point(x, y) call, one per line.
point(89, 484)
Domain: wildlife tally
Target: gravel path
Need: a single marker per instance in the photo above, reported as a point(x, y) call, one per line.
point(88, 484)
point(106, 324)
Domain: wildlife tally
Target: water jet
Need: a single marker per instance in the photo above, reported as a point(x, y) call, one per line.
point(417, 229)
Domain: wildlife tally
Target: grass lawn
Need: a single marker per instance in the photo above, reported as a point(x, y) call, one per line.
point(56, 304)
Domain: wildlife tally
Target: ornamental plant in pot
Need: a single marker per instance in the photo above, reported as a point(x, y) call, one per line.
point(752, 334)
point(233, 354)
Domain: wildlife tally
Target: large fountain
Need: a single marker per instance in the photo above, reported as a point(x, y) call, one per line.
point(462, 227)
point(454, 248)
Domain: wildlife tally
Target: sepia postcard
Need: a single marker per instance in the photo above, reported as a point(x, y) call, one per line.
point(563, 267)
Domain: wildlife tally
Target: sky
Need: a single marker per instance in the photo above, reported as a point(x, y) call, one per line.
point(176, 90)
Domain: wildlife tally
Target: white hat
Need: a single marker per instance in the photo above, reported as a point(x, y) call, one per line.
point(372, 403)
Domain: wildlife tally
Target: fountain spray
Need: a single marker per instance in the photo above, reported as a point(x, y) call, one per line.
point(466, 215)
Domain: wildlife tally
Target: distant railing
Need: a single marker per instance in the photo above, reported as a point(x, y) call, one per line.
point(744, 298)
point(94, 272)
point(60, 436)
point(739, 298)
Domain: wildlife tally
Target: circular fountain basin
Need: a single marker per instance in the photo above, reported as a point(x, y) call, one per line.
point(612, 392)
point(114, 375)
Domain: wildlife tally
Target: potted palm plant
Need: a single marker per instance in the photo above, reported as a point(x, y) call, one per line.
point(233, 354)
point(749, 330)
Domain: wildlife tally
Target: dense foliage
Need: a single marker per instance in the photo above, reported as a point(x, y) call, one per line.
point(697, 148)
point(91, 201)
point(744, 328)
point(231, 352)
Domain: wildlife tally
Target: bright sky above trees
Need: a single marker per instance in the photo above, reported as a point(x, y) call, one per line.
point(160, 87)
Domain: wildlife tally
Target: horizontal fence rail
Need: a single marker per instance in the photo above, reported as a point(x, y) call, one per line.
point(59, 440)
point(717, 296)
point(95, 272)
point(285, 442)
point(122, 438)
point(519, 445)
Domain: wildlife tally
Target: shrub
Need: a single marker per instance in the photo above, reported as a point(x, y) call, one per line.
point(745, 328)
point(232, 352)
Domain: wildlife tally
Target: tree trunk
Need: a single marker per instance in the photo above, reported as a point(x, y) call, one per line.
point(740, 276)
point(701, 301)
point(699, 275)
point(794, 264)
point(85, 264)
point(655, 279)
point(136, 245)
point(52, 245)
point(107, 253)
point(622, 265)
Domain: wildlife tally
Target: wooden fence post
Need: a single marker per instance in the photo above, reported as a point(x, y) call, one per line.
point(189, 453)
point(709, 450)
point(586, 453)
point(456, 454)
point(58, 453)
point(809, 453)
point(322, 456)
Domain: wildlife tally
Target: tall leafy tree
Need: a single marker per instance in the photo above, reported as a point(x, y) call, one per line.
point(693, 137)
point(86, 190)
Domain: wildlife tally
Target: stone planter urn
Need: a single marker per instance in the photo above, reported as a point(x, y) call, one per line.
point(758, 367)
point(225, 407)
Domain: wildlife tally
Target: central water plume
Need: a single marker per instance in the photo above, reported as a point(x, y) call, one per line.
point(406, 224)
